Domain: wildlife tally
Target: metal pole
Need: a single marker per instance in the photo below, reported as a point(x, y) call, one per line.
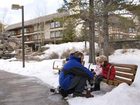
point(23, 51)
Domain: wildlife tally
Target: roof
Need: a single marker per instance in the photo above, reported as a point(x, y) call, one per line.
point(37, 20)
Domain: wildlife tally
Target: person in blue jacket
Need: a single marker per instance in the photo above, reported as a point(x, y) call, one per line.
point(73, 76)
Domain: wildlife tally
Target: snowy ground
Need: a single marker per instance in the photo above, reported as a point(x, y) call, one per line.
point(121, 95)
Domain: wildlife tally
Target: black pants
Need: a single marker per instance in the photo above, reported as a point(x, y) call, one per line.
point(77, 86)
point(98, 80)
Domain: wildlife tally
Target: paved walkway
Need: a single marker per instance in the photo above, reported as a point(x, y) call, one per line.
point(21, 90)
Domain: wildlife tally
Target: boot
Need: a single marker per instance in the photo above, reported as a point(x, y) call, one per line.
point(96, 87)
point(82, 95)
point(63, 93)
point(88, 94)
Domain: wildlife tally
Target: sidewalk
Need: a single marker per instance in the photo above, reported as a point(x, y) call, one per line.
point(21, 90)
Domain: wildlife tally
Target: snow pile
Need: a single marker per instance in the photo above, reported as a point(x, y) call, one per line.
point(120, 95)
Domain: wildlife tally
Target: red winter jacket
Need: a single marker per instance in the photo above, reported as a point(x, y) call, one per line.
point(105, 70)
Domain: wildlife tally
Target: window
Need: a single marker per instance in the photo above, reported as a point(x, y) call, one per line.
point(42, 27)
point(120, 36)
point(35, 28)
point(56, 34)
point(55, 24)
point(52, 34)
point(29, 29)
point(131, 30)
point(52, 25)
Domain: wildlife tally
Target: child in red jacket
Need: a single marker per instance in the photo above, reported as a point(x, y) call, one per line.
point(106, 70)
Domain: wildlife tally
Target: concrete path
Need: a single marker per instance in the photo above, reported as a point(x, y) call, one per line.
point(21, 90)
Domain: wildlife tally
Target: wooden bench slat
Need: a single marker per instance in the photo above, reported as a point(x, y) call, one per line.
point(132, 66)
point(125, 70)
point(112, 82)
point(117, 81)
point(56, 66)
point(125, 75)
point(121, 80)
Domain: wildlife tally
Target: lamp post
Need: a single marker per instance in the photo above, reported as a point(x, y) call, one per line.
point(16, 7)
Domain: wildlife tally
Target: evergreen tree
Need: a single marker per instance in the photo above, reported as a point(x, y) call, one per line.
point(102, 9)
point(69, 31)
point(135, 10)
point(108, 7)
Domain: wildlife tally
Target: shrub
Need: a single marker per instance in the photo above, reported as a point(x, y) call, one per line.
point(86, 51)
point(133, 50)
point(44, 48)
point(53, 55)
point(124, 51)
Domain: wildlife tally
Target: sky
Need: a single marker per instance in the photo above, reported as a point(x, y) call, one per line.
point(120, 95)
point(32, 9)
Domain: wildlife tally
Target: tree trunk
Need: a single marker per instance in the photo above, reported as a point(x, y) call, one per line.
point(105, 30)
point(91, 32)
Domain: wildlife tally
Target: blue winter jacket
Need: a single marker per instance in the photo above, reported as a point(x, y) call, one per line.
point(73, 62)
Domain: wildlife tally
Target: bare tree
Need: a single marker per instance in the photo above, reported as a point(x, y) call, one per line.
point(40, 10)
point(3, 19)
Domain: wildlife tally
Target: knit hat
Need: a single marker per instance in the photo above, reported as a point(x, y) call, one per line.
point(78, 54)
point(102, 58)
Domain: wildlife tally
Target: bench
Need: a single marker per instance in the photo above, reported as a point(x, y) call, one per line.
point(125, 73)
point(57, 66)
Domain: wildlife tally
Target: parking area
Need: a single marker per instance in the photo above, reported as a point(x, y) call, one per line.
point(21, 90)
